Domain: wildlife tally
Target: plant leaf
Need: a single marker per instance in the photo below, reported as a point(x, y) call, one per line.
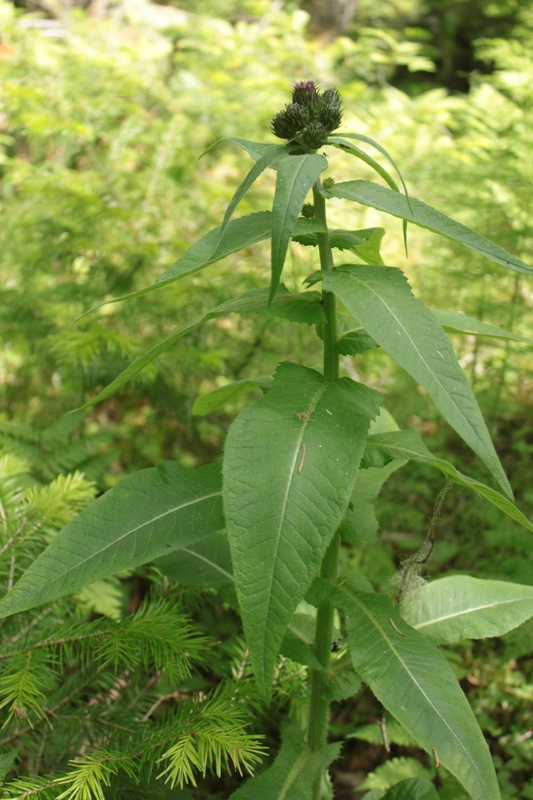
point(360, 524)
point(360, 138)
point(296, 176)
point(289, 468)
point(412, 789)
point(455, 322)
point(207, 403)
point(260, 165)
point(461, 607)
point(302, 307)
point(364, 243)
point(145, 515)
point(205, 563)
point(384, 777)
point(294, 772)
point(254, 149)
point(381, 300)
point(342, 144)
point(413, 680)
point(411, 210)
point(408, 445)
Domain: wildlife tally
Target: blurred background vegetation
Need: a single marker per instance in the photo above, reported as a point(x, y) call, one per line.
point(105, 107)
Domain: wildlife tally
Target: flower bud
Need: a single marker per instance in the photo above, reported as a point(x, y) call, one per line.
point(305, 93)
point(311, 116)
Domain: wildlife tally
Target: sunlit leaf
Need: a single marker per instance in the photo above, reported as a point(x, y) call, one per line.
point(296, 176)
point(461, 607)
point(381, 300)
point(411, 210)
point(207, 403)
point(408, 445)
point(455, 322)
point(303, 307)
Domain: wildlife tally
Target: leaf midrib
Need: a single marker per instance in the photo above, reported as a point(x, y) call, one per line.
point(457, 614)
point(79, 564)
point(311, 409)
point(423, 360)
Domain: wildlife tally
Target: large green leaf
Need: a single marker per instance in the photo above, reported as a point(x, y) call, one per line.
point(381, 300)
point(408, 445)
point(294, 772)
point(289, 468)
point(413, 680)
point(146, 515)
point(461, 607)
point(296, 176)
point(455, 322)
point(411, 210)
point(304, 307)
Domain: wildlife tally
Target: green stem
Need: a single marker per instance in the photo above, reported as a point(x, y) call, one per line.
point(319, 705)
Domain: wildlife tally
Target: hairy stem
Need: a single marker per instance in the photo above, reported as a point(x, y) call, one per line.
point(319, 705)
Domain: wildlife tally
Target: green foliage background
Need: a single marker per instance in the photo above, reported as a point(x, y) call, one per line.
point(102, 120)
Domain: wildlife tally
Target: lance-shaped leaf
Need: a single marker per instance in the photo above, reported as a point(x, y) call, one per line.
point(254, 149)
point(360, 138)
point(289, 468)
point(411, 210)
point(260, 165)
point(207, 403)
point(146, 515)
point(460, 607)
point(294, 772)
point(296, 176)
point(455, 322)
point(381, 300)
point(303, 307)
point(408, 445)
point(413, 680)
point(342, 144)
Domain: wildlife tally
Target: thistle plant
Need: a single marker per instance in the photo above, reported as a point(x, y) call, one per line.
point(303, 466)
